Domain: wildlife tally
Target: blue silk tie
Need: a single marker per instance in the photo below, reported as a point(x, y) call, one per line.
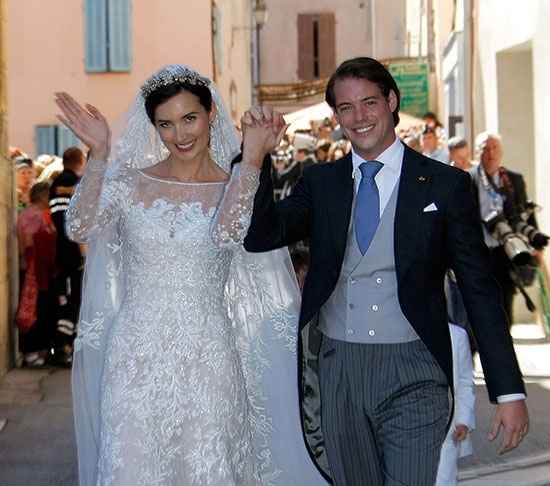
point(367, 205)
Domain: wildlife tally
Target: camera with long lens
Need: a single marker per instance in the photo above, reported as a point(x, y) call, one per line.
point(516, 244)
point(536, 238)
point(519, 243)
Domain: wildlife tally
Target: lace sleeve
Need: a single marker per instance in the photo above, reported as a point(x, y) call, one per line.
point(95, 203)
point(235, 211)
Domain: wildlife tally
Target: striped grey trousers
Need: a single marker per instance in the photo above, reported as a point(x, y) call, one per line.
point(384, 411)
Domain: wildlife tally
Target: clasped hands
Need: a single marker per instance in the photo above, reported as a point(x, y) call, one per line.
point(263, 130)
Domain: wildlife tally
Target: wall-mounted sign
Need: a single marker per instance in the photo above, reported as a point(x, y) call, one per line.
point(412, 80)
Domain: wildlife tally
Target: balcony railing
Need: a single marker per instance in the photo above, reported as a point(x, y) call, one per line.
point(291, 92)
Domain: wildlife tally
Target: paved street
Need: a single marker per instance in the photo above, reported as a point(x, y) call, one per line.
point(529, 465)
point(485, 467)
point(37, 445)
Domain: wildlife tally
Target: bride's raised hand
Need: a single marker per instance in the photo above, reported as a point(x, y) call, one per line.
point(87, 123)
point(263, 130)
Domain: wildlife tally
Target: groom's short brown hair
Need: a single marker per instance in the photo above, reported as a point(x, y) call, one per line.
point(369, 69)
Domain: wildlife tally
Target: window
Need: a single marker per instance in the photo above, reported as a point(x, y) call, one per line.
point(108, 35)
point(54, 139)
point(316, 46)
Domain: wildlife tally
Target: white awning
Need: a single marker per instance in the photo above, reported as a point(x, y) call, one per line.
point(300, 119)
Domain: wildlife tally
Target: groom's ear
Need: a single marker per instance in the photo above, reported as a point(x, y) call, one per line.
point(392, 100)
point(335, 113)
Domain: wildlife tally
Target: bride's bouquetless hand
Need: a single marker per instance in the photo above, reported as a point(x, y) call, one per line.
point(263, 130)
point(87, 123)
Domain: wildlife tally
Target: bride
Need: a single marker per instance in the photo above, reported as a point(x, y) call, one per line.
point(184, 369)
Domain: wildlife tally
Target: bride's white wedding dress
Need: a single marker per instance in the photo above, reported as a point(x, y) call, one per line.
point(184, 367)
point(175, 405)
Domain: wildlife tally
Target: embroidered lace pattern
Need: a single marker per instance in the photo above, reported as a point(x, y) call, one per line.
point(174, 406)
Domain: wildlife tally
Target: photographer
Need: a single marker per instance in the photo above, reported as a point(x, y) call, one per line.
point(509, 224)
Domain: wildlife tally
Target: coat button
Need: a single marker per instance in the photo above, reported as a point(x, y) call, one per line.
point(371, 333)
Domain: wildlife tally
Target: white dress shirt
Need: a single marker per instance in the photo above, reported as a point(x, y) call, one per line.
point(386, 179)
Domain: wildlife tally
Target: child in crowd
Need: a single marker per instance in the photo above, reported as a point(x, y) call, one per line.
point(458, 442)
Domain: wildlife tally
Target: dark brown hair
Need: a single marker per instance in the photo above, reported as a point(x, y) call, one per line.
point(164, 93)
point(369, 69)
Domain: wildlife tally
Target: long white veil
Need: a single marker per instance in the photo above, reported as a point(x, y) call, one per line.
point(262, 299)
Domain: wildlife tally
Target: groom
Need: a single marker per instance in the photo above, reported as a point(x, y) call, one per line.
point(385, 223)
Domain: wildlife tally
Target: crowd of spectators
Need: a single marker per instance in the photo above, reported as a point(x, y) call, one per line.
point(51, 265)
point(49, 285)
point(322, 143)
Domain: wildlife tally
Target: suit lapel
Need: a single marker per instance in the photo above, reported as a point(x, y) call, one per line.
point(414, 183)
point(339, 192)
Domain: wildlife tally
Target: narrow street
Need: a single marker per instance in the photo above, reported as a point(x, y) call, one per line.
point(37, 446)
point(447, 80)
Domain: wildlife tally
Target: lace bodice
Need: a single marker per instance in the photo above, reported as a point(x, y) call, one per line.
point(97, 205)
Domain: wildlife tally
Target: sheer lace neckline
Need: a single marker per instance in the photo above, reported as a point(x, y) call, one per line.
point(171, 181)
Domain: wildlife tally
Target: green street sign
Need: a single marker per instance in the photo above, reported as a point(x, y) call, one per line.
point(412, 80)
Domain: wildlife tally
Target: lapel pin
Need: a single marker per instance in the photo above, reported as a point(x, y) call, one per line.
point(422, 179)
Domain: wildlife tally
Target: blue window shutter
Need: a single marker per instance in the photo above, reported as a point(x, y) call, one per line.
point(95, 28)
point(120, 35)
point(65, 139)
point(45, 139)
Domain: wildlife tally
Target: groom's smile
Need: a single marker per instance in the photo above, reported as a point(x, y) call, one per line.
point(365, 115)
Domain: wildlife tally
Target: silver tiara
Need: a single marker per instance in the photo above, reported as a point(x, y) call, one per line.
point(172, 74)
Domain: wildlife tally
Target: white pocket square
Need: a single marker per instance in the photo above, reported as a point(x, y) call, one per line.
point(431, 207)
